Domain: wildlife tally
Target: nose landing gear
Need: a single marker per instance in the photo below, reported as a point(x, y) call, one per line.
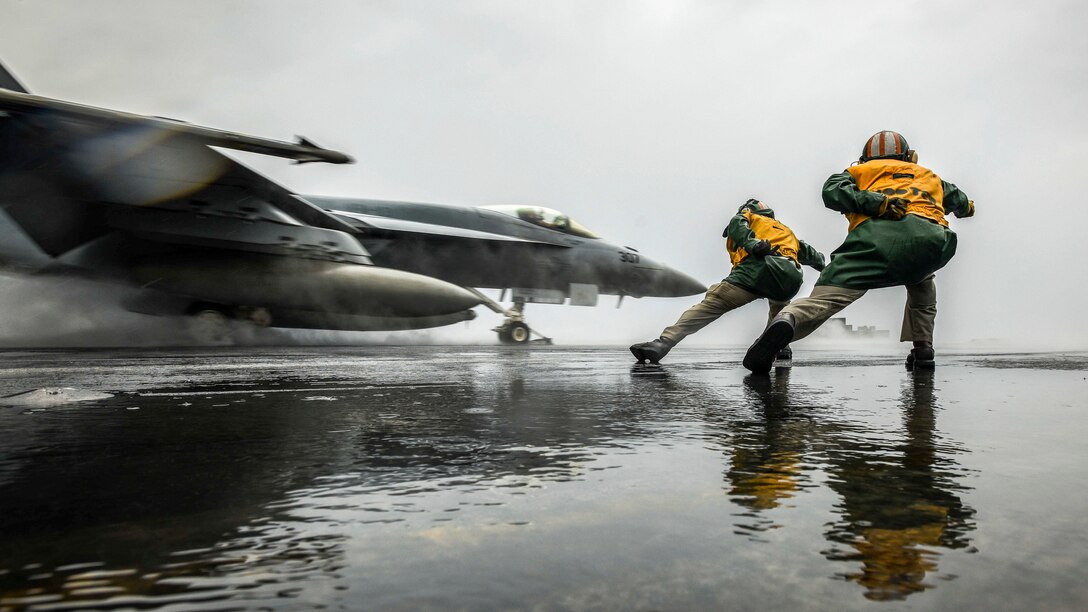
point(514, 330)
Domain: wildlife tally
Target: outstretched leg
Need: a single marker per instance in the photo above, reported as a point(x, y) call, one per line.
point(796, 321)
point(813, 311)
point(720, 299)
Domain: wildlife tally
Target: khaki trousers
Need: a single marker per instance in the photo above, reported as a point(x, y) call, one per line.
point(720, 299)
point(826, 301)
point(920, 311)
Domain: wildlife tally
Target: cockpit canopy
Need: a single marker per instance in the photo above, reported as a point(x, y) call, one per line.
point(545, 217)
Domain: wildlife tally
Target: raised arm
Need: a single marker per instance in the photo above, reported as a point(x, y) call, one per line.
point(956, 202)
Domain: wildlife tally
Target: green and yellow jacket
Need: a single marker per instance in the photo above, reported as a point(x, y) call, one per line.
point(881, 252)
point(862, 192)
point(774, 277)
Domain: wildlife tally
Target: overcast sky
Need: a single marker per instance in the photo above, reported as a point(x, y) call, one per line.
point(649, 122)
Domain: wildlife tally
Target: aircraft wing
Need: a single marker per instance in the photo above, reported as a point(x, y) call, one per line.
point(302, 151)
point(72, 174)
point(148, 201)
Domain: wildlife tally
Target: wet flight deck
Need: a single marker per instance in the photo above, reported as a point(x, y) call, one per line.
point(544, 478)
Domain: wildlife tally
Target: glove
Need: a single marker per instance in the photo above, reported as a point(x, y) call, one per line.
point(894, 208)
point(970, 211)
point(762, 249)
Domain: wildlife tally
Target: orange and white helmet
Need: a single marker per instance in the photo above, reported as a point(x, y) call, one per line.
point(887, 145)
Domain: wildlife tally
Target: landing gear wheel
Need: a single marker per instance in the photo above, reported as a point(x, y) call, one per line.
point(519, 333)
point(514, 333)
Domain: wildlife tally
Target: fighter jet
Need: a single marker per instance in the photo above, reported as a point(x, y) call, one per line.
point(147, 202)
point(540, 254)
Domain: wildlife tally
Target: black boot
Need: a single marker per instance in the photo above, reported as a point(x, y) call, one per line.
point(921, 357)
point(652, 351)
point(777, 336)
point(786, 354)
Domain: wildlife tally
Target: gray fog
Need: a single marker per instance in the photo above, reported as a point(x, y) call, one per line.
point(649, 122)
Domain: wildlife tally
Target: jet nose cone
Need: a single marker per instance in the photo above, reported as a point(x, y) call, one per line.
point(676, 284)
point(667, 282)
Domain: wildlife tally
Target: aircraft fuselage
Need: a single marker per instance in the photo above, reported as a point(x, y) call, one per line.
point(477, 247)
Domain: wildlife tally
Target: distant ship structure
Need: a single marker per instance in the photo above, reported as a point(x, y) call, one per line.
point(837, 327)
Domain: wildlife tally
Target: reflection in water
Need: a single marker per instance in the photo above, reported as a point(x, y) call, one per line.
point(510, 478)
point(899, 505)
point(898, 496)
point(234, 569)
point(237, 492)
point(767, 450)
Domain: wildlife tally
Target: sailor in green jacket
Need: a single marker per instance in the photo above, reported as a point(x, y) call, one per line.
point(766, 258)
point(898, 235)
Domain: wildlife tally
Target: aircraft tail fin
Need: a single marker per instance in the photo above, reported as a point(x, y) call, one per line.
point(8, 81)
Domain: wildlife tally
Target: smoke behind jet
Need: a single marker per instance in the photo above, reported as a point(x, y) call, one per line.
point(649, 122)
